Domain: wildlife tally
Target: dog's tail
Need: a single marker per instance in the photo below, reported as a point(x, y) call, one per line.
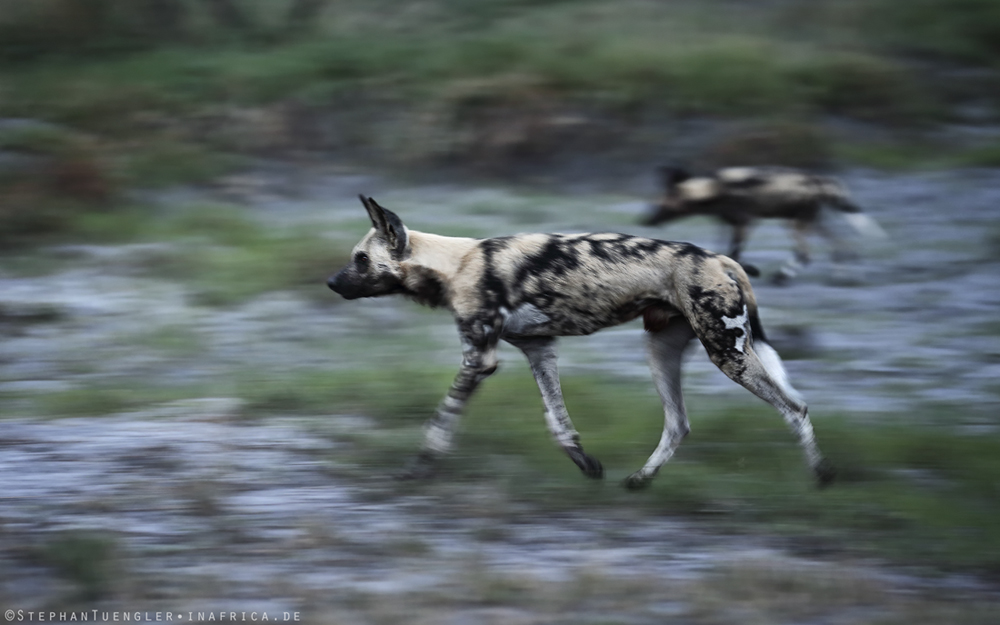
point(758, 340)
point(835, 195)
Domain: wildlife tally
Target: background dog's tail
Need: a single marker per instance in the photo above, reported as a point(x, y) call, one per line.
point(836, 196)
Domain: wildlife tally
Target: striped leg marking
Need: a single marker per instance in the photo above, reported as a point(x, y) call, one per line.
point(439, 431)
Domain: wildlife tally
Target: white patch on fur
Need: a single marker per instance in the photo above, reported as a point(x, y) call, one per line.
point(697, 189)
point(865, 225)
point(437, 439)
point(524, 318)
point(772, 363)
point(564, 436)
point(790, 184)
point(736, 174)
point(741, 322)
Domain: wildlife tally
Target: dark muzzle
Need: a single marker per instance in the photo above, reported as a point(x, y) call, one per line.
point(341, 284)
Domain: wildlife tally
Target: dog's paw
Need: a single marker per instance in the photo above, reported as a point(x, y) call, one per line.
point(590, 465)
point(781, 278)
point(421, 467)
point(825, 474)
point(636, 481)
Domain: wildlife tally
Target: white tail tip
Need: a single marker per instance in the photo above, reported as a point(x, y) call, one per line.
point(865, 225)
point(772, 363)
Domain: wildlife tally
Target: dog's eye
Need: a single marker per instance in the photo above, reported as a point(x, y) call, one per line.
point(361, 260)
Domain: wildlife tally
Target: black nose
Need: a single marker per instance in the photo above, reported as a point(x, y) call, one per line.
point(332, 283)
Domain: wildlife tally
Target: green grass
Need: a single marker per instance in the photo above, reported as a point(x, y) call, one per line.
point(416, 86)
point(639, 54)
point(962, 30)
point(227, 258)
point(162, 163)
point(916, 492)
point(86, 559)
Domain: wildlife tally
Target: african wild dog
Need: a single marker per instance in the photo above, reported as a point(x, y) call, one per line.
point(740, 195)
point(529, 289)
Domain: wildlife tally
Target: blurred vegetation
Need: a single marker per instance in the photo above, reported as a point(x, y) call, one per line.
point(920, 491)
point(87, 559)
point(101, 96)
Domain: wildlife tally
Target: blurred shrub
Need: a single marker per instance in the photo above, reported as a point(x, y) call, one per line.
point(32, 29)
point(487, 83)
point(966, 30)
point(491, 122)
point(793, 144)
point(44, 27)
point(48, 175)
point(864, 87)
point(163, 162)
point(86, 559)
point(227, 257)
point(982, 156)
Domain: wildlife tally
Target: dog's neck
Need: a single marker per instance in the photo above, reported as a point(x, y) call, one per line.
point(432, 264)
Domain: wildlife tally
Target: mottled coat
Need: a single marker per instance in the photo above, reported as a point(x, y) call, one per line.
point(739, 196)
point(528, 289)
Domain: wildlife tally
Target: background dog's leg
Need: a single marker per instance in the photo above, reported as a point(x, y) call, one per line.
point(738, 241)
point(791, 268)
point(541, 354)
point(665, 352)
point(478, 363)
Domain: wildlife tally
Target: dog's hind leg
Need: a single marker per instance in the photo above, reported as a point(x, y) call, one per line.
point(665, 352)
point(760, 371)
point(736, 345)
point(541, 354)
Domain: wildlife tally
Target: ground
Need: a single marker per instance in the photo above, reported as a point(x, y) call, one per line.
point(227, 445)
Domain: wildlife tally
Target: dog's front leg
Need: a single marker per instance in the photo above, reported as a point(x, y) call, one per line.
point(541, 354)
point(738, 240)
point(479, 361)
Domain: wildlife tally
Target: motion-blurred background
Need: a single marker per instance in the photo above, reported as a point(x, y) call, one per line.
point(190, 421)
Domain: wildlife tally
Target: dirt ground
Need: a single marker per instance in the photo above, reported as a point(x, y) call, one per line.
point(185, 507)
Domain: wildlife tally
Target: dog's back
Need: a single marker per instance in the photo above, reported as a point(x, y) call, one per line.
point(575, 284)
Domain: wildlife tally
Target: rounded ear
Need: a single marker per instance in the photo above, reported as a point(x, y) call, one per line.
point(394, 230)
point(673, 175)
point(374, 213)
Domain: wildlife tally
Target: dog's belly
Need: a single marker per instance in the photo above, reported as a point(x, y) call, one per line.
point(529, 319)
point(525, 320)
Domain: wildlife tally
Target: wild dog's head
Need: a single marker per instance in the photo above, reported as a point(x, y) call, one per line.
point(374, 269)
point(670, 205)
point(681, 195)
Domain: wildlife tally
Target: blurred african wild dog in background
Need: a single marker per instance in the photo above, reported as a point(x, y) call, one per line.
point(528, 289)
point(739, 196)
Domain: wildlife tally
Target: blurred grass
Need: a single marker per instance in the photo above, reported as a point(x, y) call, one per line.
point(102, 96)
point(677, 56)
point(226, 257)
point(178, 90)
point(918, 492)
point(221, 253)
point(125, 95)
point(87, 559)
